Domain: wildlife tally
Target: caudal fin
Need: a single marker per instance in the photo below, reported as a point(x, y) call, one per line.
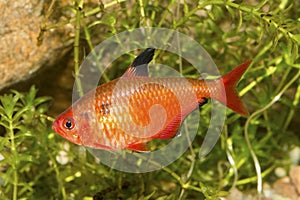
point(230, 80)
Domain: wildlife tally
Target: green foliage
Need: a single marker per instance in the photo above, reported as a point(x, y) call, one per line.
point(20, 145)
point(37, 163)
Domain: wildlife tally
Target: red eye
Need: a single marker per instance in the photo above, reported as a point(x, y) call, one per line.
point(69, 123)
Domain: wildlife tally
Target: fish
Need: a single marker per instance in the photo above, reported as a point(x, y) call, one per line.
point(134, 109)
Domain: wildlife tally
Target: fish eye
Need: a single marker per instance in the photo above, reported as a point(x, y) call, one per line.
point(69, 123)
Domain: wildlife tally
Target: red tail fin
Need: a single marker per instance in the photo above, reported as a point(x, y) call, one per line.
point(230, 80)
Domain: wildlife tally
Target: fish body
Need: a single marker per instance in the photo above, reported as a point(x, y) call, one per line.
point(130, 111)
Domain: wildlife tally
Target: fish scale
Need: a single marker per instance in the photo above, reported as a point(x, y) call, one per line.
point(127, 117)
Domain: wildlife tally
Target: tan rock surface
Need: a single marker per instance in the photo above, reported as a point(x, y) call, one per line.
point(285, 188)
point(295, 177)
point(20, 56)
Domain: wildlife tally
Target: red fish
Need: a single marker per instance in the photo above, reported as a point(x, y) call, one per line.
point(130, 111)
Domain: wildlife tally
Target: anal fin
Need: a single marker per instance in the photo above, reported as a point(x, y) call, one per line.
point(141, 147)
point(203, 101)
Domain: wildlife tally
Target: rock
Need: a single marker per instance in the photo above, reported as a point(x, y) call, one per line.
point(20, 56)
point(234, 193)
point(295, 155)
point(295, 177)
point(285, 188)
point(280, 172)
point(267, 191)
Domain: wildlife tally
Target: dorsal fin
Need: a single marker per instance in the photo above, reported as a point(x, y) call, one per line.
point(139, 67)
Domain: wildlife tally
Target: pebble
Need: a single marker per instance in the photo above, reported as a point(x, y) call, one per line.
point(285, 188)
point(295, 178)
point(295, 155)
point(280, 172)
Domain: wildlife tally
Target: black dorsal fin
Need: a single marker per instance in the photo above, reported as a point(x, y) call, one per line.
point(143, 58)
point(139, 67)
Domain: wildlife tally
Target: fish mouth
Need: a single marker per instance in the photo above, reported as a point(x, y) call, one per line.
point(55, 127)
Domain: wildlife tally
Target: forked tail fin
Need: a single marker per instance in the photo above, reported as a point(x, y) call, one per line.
point(230, 80)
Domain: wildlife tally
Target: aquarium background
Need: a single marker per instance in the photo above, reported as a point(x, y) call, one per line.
point(252, 154)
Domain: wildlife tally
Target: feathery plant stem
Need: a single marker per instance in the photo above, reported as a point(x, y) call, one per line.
point(292, 111)
point(91, 46)
point(87, 13)
point(254, 178)
point(230, 156)
point(43, 27)
point(8, 117)
point(59, 179)
point(253, 115)
point(142, 13)
point(79, 7)
point(15, 155)
point(49, 118)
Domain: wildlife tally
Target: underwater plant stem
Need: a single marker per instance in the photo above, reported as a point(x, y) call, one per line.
point(283, 80)
point(165, 13)
point(142, 13)
point(254, 11)
point(183, 184)
point(86, 14)
point(43, 27)
point(193, 161)
point(189, 173)
point(14, 164)
point(91, 46)
point(181, 193)
point(76, 47)
point(60, 184)
point(49, 118)
point(99, 9)
point(230, 156)
point(254, 178)
point(173, 174)
point(193, 155)
point(247, 9)
point(254, 157)
point(185, 18)
point(292, 112)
